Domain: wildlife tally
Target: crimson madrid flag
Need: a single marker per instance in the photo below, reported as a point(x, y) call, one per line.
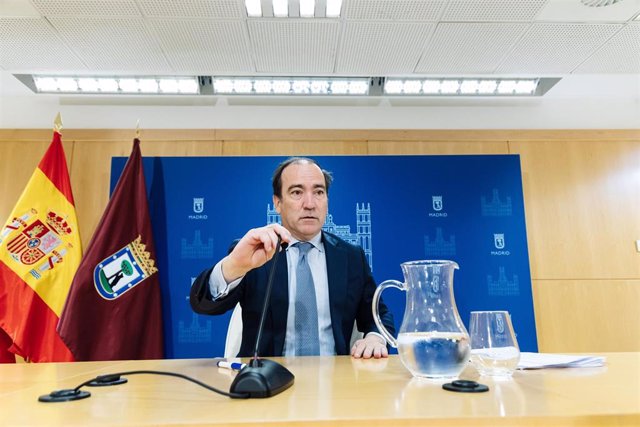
point(114, 311)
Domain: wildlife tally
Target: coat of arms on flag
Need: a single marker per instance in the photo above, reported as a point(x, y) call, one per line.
point(36, 240)
point(123, 270)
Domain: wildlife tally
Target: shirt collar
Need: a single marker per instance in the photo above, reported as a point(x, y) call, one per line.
point(316, 241)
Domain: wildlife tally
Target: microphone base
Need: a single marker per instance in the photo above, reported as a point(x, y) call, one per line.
point(64, 395)
point(262, 378)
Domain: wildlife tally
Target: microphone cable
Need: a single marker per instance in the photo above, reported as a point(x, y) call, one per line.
point(113, 379)
point(108, 379)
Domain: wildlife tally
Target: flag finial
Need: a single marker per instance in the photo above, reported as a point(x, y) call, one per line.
point(138, 129)
point(57, 123)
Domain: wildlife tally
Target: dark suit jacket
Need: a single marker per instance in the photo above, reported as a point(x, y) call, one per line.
point(351, 288)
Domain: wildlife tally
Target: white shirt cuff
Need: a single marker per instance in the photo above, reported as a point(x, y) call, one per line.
point(377, 334)
point(219, 287)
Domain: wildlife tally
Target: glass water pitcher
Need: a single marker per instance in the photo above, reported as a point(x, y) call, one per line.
point(432, 341)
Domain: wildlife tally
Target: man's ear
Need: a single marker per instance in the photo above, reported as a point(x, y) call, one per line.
point(276, 203)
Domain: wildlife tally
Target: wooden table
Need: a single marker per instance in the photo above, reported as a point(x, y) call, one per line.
point(331, 391)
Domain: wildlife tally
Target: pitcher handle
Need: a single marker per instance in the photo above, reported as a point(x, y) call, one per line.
point(376, 313)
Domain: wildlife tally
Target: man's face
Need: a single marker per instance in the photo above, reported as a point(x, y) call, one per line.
point(304, 203)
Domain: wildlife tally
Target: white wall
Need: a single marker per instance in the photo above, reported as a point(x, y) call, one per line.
point(576, 102)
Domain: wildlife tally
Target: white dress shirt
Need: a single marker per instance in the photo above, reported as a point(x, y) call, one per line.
point(318, 265)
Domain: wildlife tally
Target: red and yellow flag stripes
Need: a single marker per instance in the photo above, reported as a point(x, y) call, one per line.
point(40, 250)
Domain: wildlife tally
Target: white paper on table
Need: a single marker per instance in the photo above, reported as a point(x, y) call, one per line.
point(548, 360)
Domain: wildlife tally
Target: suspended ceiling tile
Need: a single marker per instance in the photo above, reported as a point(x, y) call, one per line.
point(217, 9)
point(97, 8)
point(113, 44)
point(382, 48)
point(469, 48)
point(492, 10)
point(556, 48)
point(294, 45)
point(576, 11)
point(394, 10)
point(621, 54)
point(30, 44)
point(17, 9)
point(205, 46)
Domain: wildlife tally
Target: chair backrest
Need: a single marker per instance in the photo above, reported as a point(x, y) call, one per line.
point(234, 334)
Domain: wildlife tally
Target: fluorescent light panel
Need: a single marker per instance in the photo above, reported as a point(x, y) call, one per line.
point(333, 8)
point(346, 86)
point(280, 8)
point(307, 8)
point(117, 85)
point(461, 87)
point(254, 8)
point(290, 86)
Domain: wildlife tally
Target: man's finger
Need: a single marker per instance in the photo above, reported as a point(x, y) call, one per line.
point(384, 352)
point(358, 347)
point(368, 351)
point(377, 352)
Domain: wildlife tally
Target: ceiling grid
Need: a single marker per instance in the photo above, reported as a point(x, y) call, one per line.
point(371, 38)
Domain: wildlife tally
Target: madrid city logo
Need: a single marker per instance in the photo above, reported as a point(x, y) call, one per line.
point(198, 204)
point(437, 205)
point(123, 270)
point(499, 244)
point(500, 325)
point(434, 286)
point(198, 209)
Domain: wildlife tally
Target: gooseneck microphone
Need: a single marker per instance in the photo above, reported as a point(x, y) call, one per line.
point(262, 377)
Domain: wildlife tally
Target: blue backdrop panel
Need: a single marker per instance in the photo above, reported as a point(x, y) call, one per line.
point(468, 209)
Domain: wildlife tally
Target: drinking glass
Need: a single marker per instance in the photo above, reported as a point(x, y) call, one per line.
point(494, 348)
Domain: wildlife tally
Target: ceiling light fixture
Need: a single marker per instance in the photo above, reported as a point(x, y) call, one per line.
point(333, 8)
point(254, 8)
point(280, 8)
point(293, 8)
point(307, 8)
point(287, 85)
point(116, 85)
point(462, 87)
point(290, 86)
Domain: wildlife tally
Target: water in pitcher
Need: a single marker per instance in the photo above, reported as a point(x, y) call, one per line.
point(434, 354)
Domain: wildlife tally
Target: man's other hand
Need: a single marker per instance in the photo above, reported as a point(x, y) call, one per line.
point(370, 346)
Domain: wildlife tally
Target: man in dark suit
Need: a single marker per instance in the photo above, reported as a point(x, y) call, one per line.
point(321, 287)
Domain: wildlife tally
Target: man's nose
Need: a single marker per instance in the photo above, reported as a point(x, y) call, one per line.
point(308, 201)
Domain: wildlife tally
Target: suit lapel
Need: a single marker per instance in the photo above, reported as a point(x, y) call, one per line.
point(337, 278)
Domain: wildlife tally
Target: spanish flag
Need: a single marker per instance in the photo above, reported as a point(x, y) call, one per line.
point(40, 250)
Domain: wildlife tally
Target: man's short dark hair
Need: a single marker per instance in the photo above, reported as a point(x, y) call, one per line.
point(276, 181)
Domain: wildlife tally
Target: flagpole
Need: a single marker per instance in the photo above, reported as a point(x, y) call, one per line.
point(137, 134)
point(57, 124)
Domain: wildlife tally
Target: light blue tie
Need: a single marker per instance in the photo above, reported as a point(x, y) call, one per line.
point(307, 342)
